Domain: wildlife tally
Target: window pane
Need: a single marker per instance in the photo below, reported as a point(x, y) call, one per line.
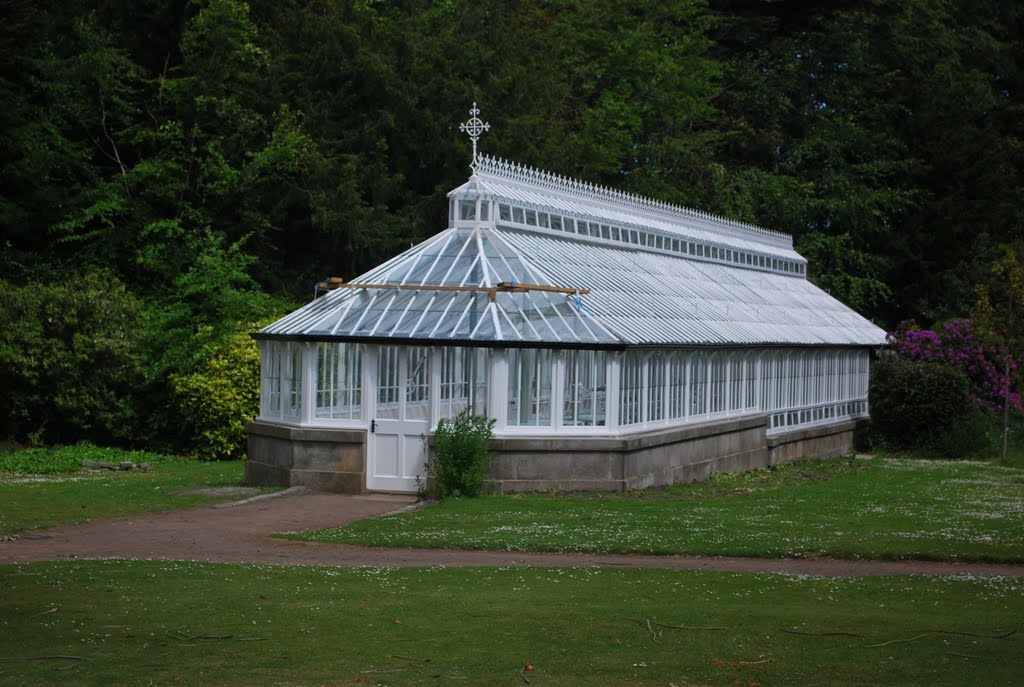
point(270, 373)
point(630, 388)
point(339, 381)
point(529, 386)
point(417, 383)
point(698, 385)
point(584, 389)
point(464, 380)
point(655, 388)
point(387, 383)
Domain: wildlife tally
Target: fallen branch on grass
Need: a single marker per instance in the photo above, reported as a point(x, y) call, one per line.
point(182, 637)
point(821, 634)
point(970, 634)
point(720, 663)
point(52, 610)
point(678, 627)
point(692, 627)
point(45, 658)
point(896, 641)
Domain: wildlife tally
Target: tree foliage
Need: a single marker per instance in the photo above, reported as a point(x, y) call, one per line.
point(217, 157)
point(71, 361)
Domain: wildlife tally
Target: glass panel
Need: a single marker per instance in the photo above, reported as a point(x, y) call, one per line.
point(417, 383)
point(735, 381)
point(676, 385)
point(464, 380)
point(750, 381)
point(630, 388)
point(529, 386)
point(584, 391)
point(467, 209)
point(339, 372)
point(485, 210)
point(292, 382)
point(504, 213)
point(531, 218)
point(270, 371)
point(615, 233)
point(605, 231)
point(542, 219)
point(556, 222)
point(698, 385)
point(517, 215)
point(655, 388)
point(387, 383)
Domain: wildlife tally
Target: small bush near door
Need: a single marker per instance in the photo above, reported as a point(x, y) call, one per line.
point(460, 455)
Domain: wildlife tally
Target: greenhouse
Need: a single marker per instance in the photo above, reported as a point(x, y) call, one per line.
point(618, 343)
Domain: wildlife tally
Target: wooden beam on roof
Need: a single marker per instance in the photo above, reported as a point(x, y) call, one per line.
point(493, 291)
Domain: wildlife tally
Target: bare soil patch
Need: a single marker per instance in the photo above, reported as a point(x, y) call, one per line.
point(240, 534)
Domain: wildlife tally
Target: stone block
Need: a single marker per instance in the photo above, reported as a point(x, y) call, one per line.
point(263, 475)
point(334, 482)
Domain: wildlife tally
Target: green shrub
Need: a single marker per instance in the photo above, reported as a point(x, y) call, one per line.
point(70, 361)
point(460, 455)
point(918, 405)
point(220, 397)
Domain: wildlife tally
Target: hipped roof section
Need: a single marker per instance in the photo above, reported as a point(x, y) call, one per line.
point(639, 295)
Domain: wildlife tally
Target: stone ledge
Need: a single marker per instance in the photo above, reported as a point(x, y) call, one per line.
point(775, 440)
point(293, 433)
point(630, 442)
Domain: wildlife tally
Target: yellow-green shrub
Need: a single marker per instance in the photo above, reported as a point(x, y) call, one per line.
point(221, 397)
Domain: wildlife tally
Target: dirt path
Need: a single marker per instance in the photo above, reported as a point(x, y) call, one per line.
point(238, 534)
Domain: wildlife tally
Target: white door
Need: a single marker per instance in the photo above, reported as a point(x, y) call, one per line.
point(401, 419)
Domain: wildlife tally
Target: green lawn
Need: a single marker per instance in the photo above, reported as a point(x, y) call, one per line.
point(880, 508)
point(179, 623)
point(32, 501)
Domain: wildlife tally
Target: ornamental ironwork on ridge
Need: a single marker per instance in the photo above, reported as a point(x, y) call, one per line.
point(473, 128)
point(513, 171)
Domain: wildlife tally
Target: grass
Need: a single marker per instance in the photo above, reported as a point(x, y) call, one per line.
point(882, 508)
point(30, 501)
point(186, 623)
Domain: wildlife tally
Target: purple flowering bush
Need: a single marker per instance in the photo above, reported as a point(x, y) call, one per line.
point(957, 344)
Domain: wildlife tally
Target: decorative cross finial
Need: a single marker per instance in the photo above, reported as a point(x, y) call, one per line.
point(474, 127)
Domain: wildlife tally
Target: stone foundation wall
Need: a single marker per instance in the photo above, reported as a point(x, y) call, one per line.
point(654, 459)
point(825, 441)
point(335, 459)
point(331, 460)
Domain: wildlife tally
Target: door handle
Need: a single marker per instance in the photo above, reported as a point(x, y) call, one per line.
point(373, 426)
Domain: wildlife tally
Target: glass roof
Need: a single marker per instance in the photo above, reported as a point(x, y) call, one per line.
point(549, 261)
point(469, 264)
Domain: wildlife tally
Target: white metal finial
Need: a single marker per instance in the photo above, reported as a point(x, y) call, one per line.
point(474, 127)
